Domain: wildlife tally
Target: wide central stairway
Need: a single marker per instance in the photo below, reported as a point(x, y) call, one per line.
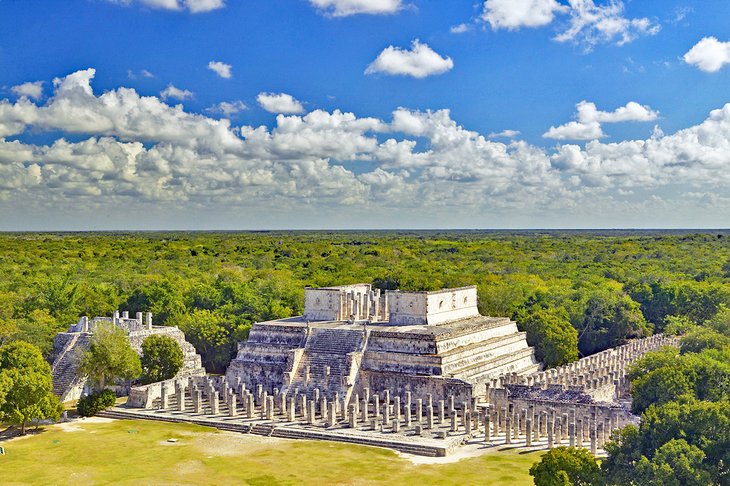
point(330, 361)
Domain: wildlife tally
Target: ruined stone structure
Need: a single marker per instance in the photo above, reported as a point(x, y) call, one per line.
point(419, 372)
point(352, 338)
point(68, 346)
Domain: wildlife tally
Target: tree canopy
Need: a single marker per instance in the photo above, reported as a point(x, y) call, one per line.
point(110, 357)
point(162, 358)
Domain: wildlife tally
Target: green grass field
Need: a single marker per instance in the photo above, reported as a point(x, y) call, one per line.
point(138, 452)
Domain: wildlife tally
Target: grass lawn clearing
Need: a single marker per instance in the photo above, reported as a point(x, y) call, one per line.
point(98, 451)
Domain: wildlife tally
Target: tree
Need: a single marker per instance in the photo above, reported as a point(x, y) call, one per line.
point(565, 466)
point(110, 357)
point(554, 338)
point(675, 463)
point(26, 389)
point(703, 338)
point(213, 336)
point(162, 358)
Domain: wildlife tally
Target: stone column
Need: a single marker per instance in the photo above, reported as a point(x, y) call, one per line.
point(364, 410)
point(528, 432)
point(198, 401)
point(270, 408)
point(214, 404)
point(579, 432)
point(386, 414)
point(558, 431)
point(180, 397)
point(376, 406)
point(487, 435)
point(508, 430)
point(441, 412)
point(164, 404)
point(419, 411)
point(232, 411)
point(454, 423)
point(323, 408)
point(310, 416)
point(291, 411)
point(333, 414)
point(429, 416)
point(550, 432)
point(353, 417)
point(467, 421)
point(396, 409)
point(571, 434)
point(251, 407)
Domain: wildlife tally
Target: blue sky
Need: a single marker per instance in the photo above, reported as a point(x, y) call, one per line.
point(363, 114)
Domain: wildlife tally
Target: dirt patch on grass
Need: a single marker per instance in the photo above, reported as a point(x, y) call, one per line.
point(232, 444)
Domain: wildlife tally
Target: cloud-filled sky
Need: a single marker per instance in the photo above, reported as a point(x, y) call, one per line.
point(242, 114)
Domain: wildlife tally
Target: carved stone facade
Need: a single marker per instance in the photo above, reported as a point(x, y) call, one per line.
point(68, 347)
point(353, 338)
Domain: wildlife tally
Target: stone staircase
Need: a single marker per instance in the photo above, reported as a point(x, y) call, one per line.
point(327, 361)
point(65, 366)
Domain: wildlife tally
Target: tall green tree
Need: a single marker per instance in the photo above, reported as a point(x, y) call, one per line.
point(162, 358)
point(110, 357)
point(566, 466)
point(26, 389)
point(550, 332)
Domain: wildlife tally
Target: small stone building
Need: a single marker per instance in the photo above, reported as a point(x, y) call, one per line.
point(68, 347)
point(353, 339)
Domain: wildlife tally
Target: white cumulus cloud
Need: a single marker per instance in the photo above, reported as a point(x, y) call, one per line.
point(221, 69)
point(419, 62)
point(343, 8)
point(192, 6)
point(279, 103)
point(228, 108)
point(709, 54)
point(30, 89)
point(171, 92)
point(588, 24)
point(514, 14)
point(589, 119)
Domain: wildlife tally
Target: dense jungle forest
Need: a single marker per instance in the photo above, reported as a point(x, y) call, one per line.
point(574, 293)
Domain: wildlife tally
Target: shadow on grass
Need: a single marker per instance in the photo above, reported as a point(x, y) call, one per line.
point(11, 432)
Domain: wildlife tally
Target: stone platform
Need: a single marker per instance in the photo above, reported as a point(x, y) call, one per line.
point(353, 338)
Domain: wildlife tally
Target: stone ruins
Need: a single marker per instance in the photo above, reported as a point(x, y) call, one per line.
point(68, 346)
point(419, 372)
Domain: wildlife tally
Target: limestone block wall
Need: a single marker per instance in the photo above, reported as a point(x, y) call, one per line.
point(422, 308)
point(440, 388)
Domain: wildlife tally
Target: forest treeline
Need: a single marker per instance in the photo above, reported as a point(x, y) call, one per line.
point(575, 293)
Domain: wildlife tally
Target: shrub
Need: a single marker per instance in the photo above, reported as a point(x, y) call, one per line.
point(90, 405)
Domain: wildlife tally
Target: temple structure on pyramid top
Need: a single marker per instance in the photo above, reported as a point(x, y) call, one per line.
point(356, 339)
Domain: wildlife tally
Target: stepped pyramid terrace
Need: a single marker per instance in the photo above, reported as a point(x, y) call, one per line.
point(68, 346)
point(418, 372)
point(353, 338)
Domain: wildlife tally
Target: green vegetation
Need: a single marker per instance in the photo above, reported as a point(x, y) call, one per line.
point(134, 452)
point(162, 358)
point(25, 386)
point(608, 287)
point(566, 466)
point(110, 357)
point(91, 404)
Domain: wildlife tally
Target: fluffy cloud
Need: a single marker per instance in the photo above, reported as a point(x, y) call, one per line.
point(514, 14)
point(709, 54)
point(30, 89)
point(592, 24)
point(120, 149)
point(192, 6)
point(421, 61)
point(343, 8)
point(589, 120)
point(505, 134)
point(589, 24)
point(279, 103)
point(171, 92)
point(228, 108)
point(221, 69)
